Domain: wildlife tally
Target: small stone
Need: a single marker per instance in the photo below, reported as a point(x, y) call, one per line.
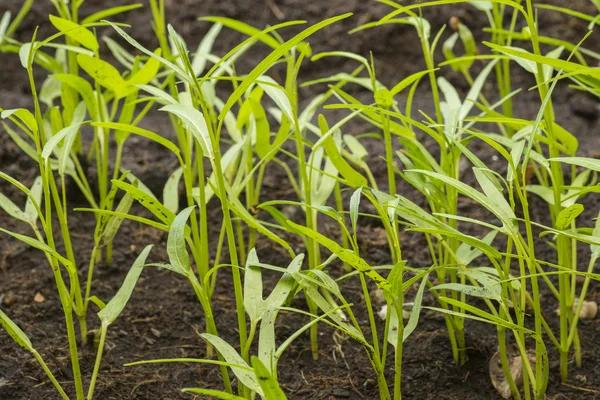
point(589, 309)
point(155, 332)
point(10, 299)
point(454, 23)
point(377, 296)
point(39, 298)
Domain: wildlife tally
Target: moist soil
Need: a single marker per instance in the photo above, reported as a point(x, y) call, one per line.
point(163, 318)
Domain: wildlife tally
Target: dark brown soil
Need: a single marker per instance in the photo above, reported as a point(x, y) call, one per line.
point(163, 318)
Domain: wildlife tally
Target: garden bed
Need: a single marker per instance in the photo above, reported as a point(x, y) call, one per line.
point(163, 318)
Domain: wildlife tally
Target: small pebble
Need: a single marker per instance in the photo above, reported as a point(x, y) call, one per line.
point(39, 298)
point(10, 299)
point(155, 332)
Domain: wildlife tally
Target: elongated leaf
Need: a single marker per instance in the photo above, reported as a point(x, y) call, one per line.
point(82, 87)
point(595, 248)
point(485, 292)
point(568, 215)
point(76, 32)
point(413, 320)
point(171, 191)
point(345, 255)
point(589, 163)
point(103, 14)
point(140, 132)
point(195, 122)
point(12, 209)
point(267, 382)
point(232, 357)
point(204, 49)
point(114, 223)
point(147, 72)
point(246, 29)
point(178, 254)
point(104, 73)
point(148, 201)
point(273, 57)
point(217, 394)
point(117, 304)
point(15, 332)
point(35, 195)
point(68, 134)
point(253, 287)
point(24, 115)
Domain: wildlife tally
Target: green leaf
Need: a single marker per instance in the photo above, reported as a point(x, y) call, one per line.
point(76, 32)
point(147, 72)
point(195, 122)
point(35, 195)
point(116, 305)
point(114, 222)
point(82, 87)
point(484, 292)
point(148, 201)
point(140, 132)
point(233, 358)
point(204, 49)
point(253, 287)
point(589, 163)
point(68, 134)
point(246, 29)
point(595, 248)
point(267, 382)
point(104, 73)
point(15, 332)
point(354, 204)
point(24, 115)
point(568, 215)
point(217, 394)
point(331, 147)
point(345, 255)
point(12, 209)
point(413, 320)
point(171, 191)
point(272, 58)
point(100, 15)
point(176, 249)
point(277, 94)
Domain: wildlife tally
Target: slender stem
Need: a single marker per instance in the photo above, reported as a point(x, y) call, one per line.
point(59, 388)
point(92, 387)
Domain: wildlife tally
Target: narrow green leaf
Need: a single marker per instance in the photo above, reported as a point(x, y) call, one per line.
point(116, 305)
point(76, 32)
point(100, 15)
point(232, 357)
point(568, 215)
point(171, 191)
point(176, 249)
point(267, 382)
point(253, 287)
point(195, 122)
point(104, 73)
point(15, 332)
